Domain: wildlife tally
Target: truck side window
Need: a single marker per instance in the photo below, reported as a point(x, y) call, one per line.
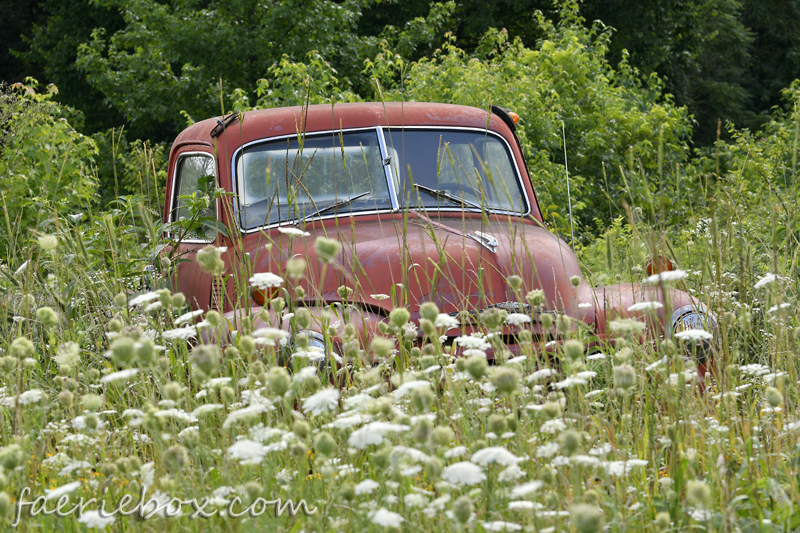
point(195, 177)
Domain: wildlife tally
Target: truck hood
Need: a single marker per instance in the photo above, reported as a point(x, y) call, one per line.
point(458, 262)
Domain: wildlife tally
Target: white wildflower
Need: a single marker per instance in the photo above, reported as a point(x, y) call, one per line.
point(54, 494)
point(475, 341)
point(553, 426)
point(458, 451)
point(409, 386)
point(540, 374)
point(379, 297)
point(511, 473)
point(463, 473)
point(265, 280)
point(92, 519)
point(499, 525)
point(324, 401)
point(248, 452)
point(645, 306)
point(293, 232)
point(31, 396)
point(766, 280)
point(517, 319)
point(186, 317)
point(525, 489)
point(367, 486)
point(122, 375)
point(143, 298)
point(446, 321)
point(494, 454)
point(185, 333)
point(670, 275)
point(385, 518)
point(245, 413)
point(694, 335)
point(373, 433)
point(547, 450)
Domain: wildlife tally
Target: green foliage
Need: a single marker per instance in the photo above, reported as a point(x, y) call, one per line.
point(609, 115)
point(46, 167)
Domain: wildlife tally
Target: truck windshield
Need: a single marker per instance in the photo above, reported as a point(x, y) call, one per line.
point(450, 169)
point(292, 180)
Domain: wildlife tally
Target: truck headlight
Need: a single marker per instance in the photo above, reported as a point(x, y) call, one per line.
point(695, 328)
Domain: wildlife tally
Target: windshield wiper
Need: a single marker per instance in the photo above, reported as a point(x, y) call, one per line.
point(334, 205)
point(436, 193)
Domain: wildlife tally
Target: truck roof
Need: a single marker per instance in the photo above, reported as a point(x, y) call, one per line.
point(264, 123)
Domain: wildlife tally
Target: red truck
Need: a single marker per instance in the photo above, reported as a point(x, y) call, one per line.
point(430, 203)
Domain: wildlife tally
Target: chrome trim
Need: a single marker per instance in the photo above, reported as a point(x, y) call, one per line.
point(174, 199)
point(384, 150)
point(387, 168)
point(709, 320)
point(486, 240)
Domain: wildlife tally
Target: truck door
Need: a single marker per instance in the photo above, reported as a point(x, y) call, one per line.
point(195, 176)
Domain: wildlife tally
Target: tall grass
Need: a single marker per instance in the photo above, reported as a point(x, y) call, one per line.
point(405, 435)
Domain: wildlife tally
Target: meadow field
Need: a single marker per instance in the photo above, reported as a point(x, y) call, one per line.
point(113, 388)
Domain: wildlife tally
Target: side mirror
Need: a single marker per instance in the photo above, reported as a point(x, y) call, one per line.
point(658, 264)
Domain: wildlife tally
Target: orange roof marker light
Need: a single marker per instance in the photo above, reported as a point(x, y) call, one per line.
point(514, 117)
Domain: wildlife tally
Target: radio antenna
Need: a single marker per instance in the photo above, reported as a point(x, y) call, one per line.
point(569, 196)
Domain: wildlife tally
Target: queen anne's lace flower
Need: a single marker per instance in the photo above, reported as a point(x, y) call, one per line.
point(494, 454)
point(385, 518)
point(265, 280)
point(463, 473)
point(766, 280)
point(669, 275)
point(324, 401)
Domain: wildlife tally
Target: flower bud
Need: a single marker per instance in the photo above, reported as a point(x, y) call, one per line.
point(624, 376)
point(227, 394)
point(515, 282)
point(122, 350)
point(429, 311)
point(462, 509)
point(423, 399)
point(302, 317)
point(173, 391)
point(381, 346)
point(21, 348)
point(301, 428)
point(327, 249)
point(476, 366)
point(178, 299)
point(497, 424)
point(47, 316)
point(698, 493)
point(399, 316)
point(575, 281)
point(443, 435)
point(774, 397)
point(325, 444)
point(210, 260)
point(505, 379)
point(535, 297)
point(176, 458)
point(587, 518)
point(546, 320)
point(573, 350)
point(278, 380)
point(295, 267)
point(570, 441)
